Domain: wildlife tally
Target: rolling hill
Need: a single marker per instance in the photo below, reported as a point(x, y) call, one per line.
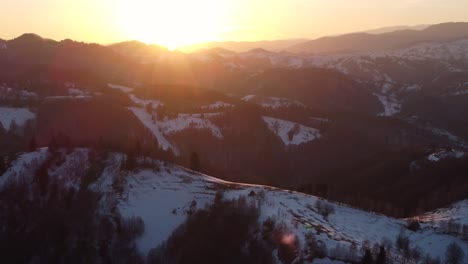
point(164, 195)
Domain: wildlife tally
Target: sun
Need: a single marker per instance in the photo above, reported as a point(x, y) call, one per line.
point(172, 23)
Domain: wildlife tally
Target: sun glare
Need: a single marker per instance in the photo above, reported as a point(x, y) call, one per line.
point(172, 23)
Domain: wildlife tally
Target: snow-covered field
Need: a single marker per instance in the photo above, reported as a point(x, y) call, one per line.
point(18, 115)
point(163, 195)
point(163, 198)
point(186, 121)
point(457, 212)
point(167, 126)
point(291, 133)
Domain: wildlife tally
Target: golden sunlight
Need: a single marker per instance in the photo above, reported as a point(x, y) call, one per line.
point(172, 23)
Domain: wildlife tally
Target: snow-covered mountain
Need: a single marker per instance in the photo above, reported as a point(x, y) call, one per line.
point(396, 79)
point(369, 42)
point(162, 195)
point(367, 124)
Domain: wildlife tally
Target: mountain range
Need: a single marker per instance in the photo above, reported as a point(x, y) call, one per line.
point(299, 140)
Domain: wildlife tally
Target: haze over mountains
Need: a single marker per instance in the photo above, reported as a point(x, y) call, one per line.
point(395, 28)
point(393, 40)
point(377, 39)
point(280, 45)
point(244, 46)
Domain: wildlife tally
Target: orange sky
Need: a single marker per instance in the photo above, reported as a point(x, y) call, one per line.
point(179, 22)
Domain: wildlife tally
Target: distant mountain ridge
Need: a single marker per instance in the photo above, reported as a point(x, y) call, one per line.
point(359, 42)
point(385, 38)
point(138, 49)
point(244, 46)
point(395, 28)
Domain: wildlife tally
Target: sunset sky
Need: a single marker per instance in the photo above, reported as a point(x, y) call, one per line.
point(179, 22)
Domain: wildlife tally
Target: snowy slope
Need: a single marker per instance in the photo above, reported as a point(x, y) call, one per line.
point(147, 120)
point(444, 154)
point(390, 104)
point(145, 102)
point(186, 121)
point(18, 115)
point(163, 198)
point(457, 212)
point(68, 172)
point(162, 128)
point(163, 194)
point(433, 50)
point(283, 129)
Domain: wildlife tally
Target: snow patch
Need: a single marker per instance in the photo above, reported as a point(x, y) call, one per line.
point(147, 120)
point(7, 93)
point(72, 170)
point(67, 97)
point(8, 115)
point(444, 154)
point(386, 87)
point(145, 102)
point(463, 92)
point(122, 88)
point(291, 133)
point(217, 105)
point(23, 167)
point(76, 92)
point(162, 128)
point(186, 121)
point(272, 102)
point(413, 87)
point(391, 105)
point(457, 212)
point(320, 119)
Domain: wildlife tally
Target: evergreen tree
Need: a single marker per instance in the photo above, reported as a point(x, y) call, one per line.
point(382, 257)
point(42, 178)
point(130, 162)
point(195, 162)
point(367, 259)
point(3, 131)
point(32, 144)
point(454, 254)
point(14, 128)
point(3, 166)
point(53, 144)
